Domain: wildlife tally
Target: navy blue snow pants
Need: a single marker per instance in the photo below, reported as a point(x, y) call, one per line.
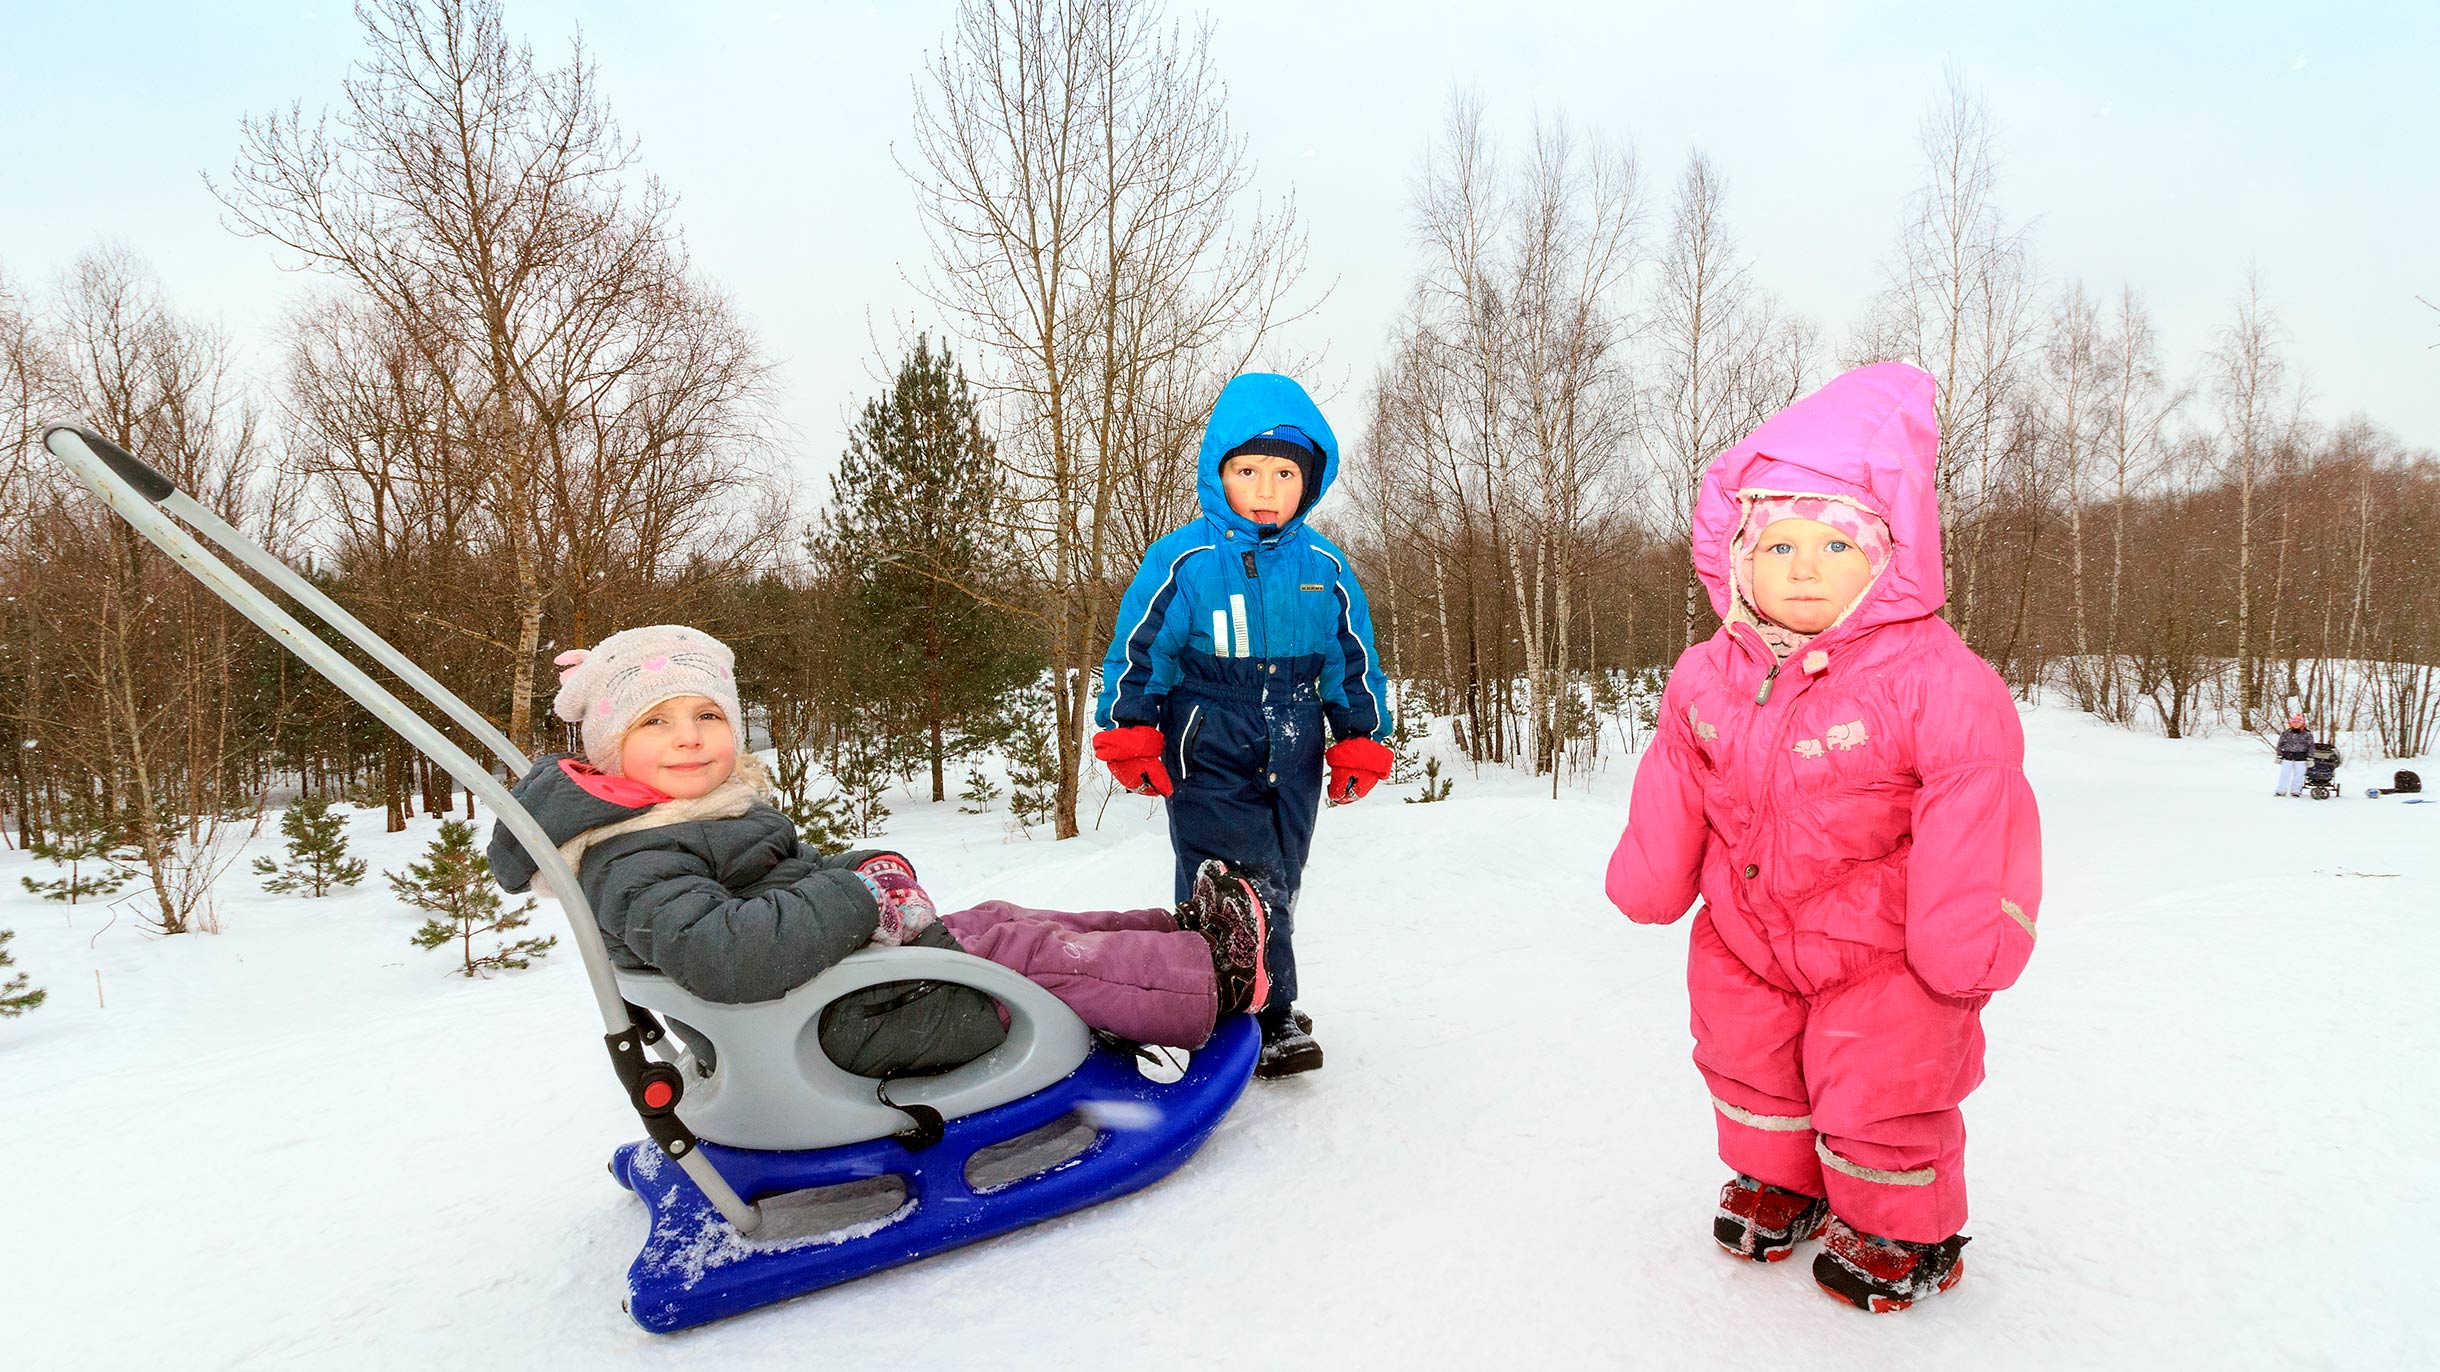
point(1244, 752)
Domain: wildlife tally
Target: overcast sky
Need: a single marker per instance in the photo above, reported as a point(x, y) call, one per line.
point(2166, 153)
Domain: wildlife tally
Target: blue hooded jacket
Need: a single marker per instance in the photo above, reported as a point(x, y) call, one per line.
point(1255, 599)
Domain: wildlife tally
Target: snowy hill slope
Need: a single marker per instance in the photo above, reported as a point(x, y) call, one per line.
point(2206, 1140)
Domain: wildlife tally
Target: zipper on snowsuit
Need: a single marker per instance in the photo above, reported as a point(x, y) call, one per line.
point(1763, 696)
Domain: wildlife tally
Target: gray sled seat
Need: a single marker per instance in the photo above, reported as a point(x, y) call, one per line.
point(772, 1087)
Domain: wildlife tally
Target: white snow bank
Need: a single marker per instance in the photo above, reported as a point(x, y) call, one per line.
point(2206, 1140)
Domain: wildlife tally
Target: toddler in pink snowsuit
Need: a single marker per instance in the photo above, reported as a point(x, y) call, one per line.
point(1841, 780)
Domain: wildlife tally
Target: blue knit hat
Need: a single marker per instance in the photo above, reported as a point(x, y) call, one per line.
point(1290, 442)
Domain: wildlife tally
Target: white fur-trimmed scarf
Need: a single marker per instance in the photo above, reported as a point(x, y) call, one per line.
point(748, 785)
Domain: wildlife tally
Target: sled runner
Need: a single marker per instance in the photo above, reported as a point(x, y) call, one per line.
point(769, 1171)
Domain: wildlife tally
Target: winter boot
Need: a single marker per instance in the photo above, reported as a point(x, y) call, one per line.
point(1287, 1047)
point(1227, 911)
point(1881, 1275)
point(1764, 1222)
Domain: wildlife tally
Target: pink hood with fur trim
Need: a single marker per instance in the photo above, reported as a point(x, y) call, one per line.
point(1867, 797)
point(1868, 437)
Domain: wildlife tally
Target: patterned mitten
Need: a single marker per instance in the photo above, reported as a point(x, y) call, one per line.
point(906, 910)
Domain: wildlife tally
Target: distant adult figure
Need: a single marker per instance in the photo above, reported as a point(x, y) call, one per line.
point(2295, 750)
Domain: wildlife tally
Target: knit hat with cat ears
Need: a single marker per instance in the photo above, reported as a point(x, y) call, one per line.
point(604, 688)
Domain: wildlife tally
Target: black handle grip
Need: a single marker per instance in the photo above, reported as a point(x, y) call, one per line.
point(133, 470)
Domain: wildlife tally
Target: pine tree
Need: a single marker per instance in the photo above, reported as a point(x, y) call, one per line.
point(1435, 789)
point(15, 998)
point(1033, 768)
point(453, 885)
point(87, 845)
point(821, 822)
point(863, 774)
point(1405, 759)
point(317, 852)
point(980, 791)
point(908, 530)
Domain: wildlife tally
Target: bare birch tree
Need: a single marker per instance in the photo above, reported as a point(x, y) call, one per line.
point(489, 205)
point(1727, 359)
point(1503, 422)
point(1086, 204)
point(145, 654)
point(2139, 405)
point(1956, 304)
point(2074, 378)
point(2248, 379)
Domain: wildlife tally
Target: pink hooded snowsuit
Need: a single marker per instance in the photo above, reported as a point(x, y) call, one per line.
point(1857, 822)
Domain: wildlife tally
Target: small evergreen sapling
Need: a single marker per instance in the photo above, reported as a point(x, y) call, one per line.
point(1404, 764)
point(317, 852)
point(1033, 768)
point(85, 844)
point(453, 885)
point(863, 774)
point(1435, 788)
point(821, 821)
point(980, 791)
point(15, 998)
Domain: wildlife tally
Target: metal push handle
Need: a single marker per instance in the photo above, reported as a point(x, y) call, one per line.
point(160, 490)
point(141, 495)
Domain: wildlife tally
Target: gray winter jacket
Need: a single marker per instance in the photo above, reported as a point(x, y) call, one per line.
point(2295, 745)
point(718, 894)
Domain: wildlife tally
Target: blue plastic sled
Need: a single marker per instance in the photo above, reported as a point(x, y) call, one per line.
point(695, 1268)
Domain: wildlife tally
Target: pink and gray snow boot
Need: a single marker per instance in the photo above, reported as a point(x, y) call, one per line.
point(1764, 1222)
point(1882, 1275)
point(1227, 911)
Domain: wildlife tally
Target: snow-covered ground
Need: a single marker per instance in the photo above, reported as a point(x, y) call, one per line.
point(2208, 1139)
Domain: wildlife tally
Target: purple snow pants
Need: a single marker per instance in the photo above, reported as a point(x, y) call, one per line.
point(1132, 973)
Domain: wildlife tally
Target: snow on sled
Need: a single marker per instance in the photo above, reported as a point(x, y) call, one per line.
point(802, 1175)
point(852, 1175)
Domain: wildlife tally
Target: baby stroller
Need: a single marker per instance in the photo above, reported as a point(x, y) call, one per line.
point(769, 1171)
point(2321, 774)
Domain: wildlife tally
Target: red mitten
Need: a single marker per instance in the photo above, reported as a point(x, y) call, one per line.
point(1134, 756)
point(1356, 766)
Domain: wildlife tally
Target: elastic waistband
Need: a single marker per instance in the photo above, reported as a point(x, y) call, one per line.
point(1281, 680)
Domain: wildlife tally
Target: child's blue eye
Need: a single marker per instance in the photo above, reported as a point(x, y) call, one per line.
point(1782, 548)
point(1839, 545)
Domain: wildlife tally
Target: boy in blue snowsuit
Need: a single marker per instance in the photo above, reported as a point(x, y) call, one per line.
point(1241, 634)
